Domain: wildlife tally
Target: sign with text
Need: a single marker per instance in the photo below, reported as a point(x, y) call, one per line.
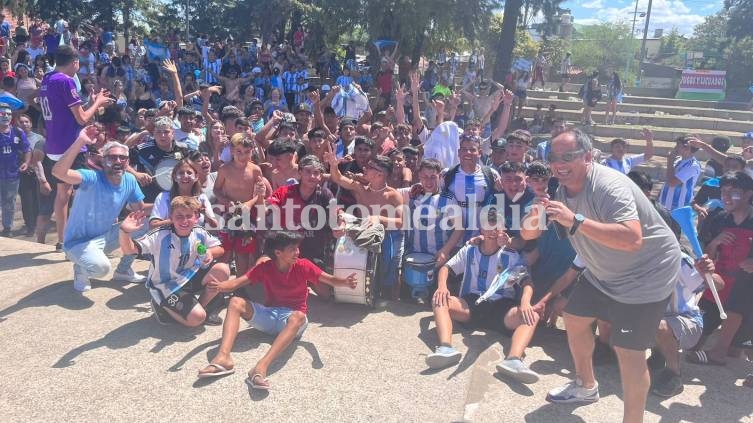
point(702, 85)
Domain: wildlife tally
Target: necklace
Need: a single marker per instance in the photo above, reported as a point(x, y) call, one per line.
point(377, 190)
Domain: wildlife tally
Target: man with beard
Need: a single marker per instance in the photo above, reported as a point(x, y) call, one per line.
point(92, 232)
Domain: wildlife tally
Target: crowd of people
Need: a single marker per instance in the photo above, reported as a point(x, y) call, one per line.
point(188, 162)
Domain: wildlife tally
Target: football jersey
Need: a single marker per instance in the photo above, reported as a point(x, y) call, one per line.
point(175, 259)
point(428, 213)
point(480, 270)
point(687, 171)
point(626, 164)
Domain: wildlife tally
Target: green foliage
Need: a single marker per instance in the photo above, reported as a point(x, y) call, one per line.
point(604, 47)
point(740, 18)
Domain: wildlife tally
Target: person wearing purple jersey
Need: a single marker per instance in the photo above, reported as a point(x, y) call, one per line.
point(64, 116)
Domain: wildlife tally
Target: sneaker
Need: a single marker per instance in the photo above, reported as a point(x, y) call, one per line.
point(59, 247)
point(667, 384)
point(443, 356)
point(6, 233)
point(516, 369)
point(162, 316)
point(213, 319)
point(81, 283)
point(129, 276)
point(572, 392)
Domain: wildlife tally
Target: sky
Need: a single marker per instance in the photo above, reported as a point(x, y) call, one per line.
point(665, 14)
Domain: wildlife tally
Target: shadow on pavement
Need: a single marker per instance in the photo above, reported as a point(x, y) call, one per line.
point(58, 294)
point(131, 334)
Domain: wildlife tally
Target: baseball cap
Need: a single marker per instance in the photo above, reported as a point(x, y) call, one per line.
point(499, 144)
point(326, 88)
point(303, 107)
point(256, 70)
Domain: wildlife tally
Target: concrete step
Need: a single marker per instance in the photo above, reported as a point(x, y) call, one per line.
point(630, 126)
point(660, 101)
point(574, 103)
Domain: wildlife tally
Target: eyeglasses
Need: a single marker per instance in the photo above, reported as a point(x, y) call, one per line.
point(564, 157)
point(116, 158)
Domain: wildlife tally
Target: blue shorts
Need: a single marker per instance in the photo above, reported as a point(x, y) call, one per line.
point(272, 320)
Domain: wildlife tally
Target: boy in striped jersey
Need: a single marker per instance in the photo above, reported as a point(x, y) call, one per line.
point(681, 176)
point(177, 270)
point(507, 311)
point(436, 220)
point(619, 162)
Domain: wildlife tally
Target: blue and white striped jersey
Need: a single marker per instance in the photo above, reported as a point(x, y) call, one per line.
point(174, 258)
point(687, 171)
point(479, 270)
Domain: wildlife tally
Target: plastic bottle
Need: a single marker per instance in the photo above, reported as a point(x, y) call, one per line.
point(201, 250)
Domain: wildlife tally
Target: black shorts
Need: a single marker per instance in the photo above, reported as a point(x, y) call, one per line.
point(740, 297)
point(712, 320)
point(47, 164)
point(489, 314)
point(634, 326)
point(184, 300)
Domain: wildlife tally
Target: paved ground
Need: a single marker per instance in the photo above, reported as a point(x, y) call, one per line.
point(102, 357)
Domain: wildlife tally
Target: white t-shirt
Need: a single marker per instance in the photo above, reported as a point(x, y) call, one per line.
point(161, 208)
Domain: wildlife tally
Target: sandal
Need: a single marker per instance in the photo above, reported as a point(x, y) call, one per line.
point(210, 373)
point(704, 358)
point(258, 381)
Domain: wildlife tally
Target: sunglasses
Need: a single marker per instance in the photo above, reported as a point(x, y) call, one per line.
point(116, 158)
point(564, 157)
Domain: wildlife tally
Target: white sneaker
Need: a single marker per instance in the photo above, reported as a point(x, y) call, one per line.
point(572, 392)
point(129, 276)
point(515, 368)
point(443, 356)
point(81, 283)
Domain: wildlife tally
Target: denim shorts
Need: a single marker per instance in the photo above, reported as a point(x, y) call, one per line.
point(272, 320)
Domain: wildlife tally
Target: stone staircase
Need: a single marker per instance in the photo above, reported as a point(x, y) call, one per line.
point(668, 118)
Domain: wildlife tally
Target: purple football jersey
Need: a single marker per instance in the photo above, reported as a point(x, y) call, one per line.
point(56, 97)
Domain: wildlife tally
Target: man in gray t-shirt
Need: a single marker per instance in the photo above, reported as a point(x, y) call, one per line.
point(632, 259)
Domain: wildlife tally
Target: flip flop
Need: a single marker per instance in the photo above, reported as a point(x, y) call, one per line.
point(262, 385)
point(221, 371)
point(702, 357)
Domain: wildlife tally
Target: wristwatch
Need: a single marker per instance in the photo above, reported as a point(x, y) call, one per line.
point(576, 223)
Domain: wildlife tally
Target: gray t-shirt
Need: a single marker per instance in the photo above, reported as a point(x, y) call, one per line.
point(645, 276)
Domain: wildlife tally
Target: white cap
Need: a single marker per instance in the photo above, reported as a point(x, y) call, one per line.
point(256, 70)
point(326, 87)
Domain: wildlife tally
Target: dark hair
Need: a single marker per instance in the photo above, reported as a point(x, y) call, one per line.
point(230, 113)
point(65, 55)
point(539, 168)
point(280, 240)
point(512, 167)
point(721, 143)
point(430, 164)
point(685, 140)
point(286, 125)
point(737, 159)
point(642, 179)
point(195, 189)
point(618, 141)
point(316, 133)
point(383, 162)
point(242, 121)
point(364, 140)
point(311, 160)
point(281, 146)
point(739, 180)
point(409, 150)
point(185, 111)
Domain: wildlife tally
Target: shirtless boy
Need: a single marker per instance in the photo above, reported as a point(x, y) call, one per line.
point(281, 167)
point(377, 195)
point(232, 189)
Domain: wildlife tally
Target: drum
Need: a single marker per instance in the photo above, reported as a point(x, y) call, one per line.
point(418, 273)
point(352, 259)
point(163, 173)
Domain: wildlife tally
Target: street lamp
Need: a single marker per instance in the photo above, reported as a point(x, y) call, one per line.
point(636, 14)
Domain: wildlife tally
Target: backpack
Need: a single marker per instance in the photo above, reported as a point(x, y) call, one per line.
point(449, 178)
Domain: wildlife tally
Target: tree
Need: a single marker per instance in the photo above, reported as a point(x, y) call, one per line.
point(740, 17)
point(604, 47)
point(506, 41)
point(524, 47)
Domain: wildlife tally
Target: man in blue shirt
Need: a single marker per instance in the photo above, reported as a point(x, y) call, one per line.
point(92, 229)
point(15, 154)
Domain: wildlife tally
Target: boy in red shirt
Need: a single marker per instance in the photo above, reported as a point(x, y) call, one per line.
point(285, 279)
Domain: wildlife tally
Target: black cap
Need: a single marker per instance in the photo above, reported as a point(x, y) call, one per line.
point(303, 107)
point(499, 144)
